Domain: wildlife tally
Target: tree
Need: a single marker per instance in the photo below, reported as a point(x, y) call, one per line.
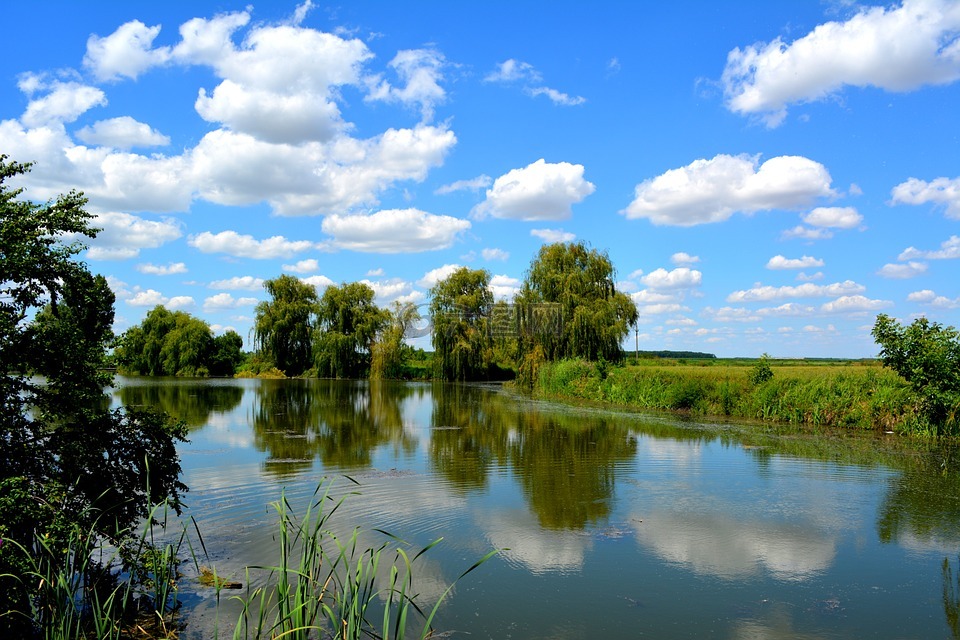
point(460, 307)
point(927, 355)
point(348, 322)
point(226, 354)
point(389, 353)
point(283, 328)
point(569, 306)
point(66, 459)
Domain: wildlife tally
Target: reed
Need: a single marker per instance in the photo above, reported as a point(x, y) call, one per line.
point(854, 395)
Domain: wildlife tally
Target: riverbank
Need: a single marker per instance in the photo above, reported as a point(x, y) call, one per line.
point(848, 394)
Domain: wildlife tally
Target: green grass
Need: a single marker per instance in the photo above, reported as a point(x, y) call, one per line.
point(854, 394)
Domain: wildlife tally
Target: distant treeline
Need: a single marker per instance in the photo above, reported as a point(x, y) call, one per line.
point(677, 355)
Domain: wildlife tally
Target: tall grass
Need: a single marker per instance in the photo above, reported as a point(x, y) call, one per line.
point(828, 395)
point(329, 586)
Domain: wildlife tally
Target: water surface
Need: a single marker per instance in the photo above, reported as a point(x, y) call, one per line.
point(612, 525)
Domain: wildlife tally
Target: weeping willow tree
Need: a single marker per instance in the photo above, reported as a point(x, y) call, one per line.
point(459, 311)
point(390, 352)
point(569, 306)
point(284, 325)
point(348, 321)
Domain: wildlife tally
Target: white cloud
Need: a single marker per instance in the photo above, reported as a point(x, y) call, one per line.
point(180, 302)
point(679, 278)
point(122, 235)
point(122, 133)
point(148, 298)
point(806, 290)
point(893, 48)
point(318, 281)
point(539, 191)
point(432, 277)
point(660, 308)
point(245, 246)
point(835, 217)
point(495, 254)
point(940, 191)
point(394, 231)
point(393, 290)
point(513, 71)
point(683, 258)
point(127, 52)
point(713, 190)
point(927, 296)
point(810, 277)
point(160, 270)
point(650, 296)
point(806, 233)
point(245, 283)
point(731, 314)
point(473, 184)
point(376, 272)
point(421, 72)
point(787, 310)
point(223, 301)
point(504, 287)
point(949, 250)
point(553, 235)
point(303, 266)
point(65, 102)
point(854, 304)
point(903, 271)
point(557, 97)
point(781, 262)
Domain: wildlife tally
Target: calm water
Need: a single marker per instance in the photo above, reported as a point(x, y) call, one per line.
point(613, 525)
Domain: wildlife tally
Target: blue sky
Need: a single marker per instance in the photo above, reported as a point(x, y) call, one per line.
point(766, 177)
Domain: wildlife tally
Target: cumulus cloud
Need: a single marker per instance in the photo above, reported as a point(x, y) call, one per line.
point(123, 235)
point(394, 231)
point(319, 281)
point(683, 258)
point(553, 235)
point(421, 72)
point(679, 278)
point(903, 271)
point(246, 283)
point(64, 102)
point(152, 298)
point(713, 190)
point(806, 290)
point(224, 301)
point(927, 296)
point(854, 304)
point(949, 250)
point(834, 217)
point(941, 191)
point(504, 287)
point(303, 266)
point(122, 133)
point(731, 314)
point(245, 246)
point(539, 191)
point(787, 310)
point(160, 270)
point(432, 277)
point(127, 52)
point(393, 290)
point(473, 184)
point(781, 262)
point(763, 79)
point(557, 97)
point(516, 71)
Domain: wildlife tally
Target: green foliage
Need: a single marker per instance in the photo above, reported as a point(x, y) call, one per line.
point(283, 327)
point(761, 371)
point(575, 283)
point(390, 353)
point(927, 355)
point(66, 460)
point(348, 321)
point(460, 308)
point(175, 343)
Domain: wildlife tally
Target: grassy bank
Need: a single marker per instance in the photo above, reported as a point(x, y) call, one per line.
point(854, 394)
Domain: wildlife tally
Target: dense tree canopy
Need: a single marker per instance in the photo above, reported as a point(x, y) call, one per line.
point(460, 307)
point(348, 322)
point(569, 306)
point(927, 355)
point(174, 343)
point(66, 460)
point(283, 328)
point(390, 351)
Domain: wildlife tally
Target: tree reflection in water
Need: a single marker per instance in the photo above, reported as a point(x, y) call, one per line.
point(192, 401)
point(951, 597)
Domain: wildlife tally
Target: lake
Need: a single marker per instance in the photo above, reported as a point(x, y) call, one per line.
point(611, 524)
